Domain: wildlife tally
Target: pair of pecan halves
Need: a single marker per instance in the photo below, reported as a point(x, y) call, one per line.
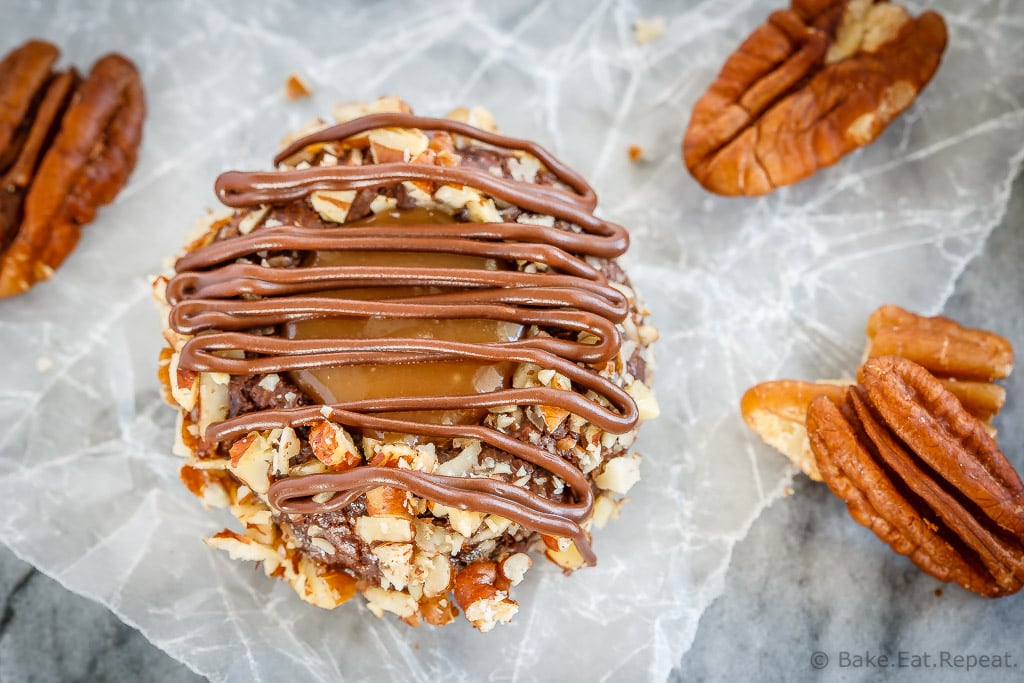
point(924, 474)
point(810, 85)
point(67, 147)
point(965, 360)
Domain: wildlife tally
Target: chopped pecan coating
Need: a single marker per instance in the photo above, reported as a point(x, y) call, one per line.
point(89, 160)
point(440, 521)
point(812, 84)
point(924, 475)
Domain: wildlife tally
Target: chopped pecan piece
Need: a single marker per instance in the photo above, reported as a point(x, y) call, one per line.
point(812, 84)
point(924, 475)
point(481, 590)
point(84, 167)
point(296, 87)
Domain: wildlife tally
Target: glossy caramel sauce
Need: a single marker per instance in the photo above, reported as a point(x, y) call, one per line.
point(388, 380)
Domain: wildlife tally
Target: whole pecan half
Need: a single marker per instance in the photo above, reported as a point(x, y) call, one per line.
point(69, 152)
point(24, 73)
point(32, 101)
point(810, 85)
point(924, 475)
point(943, 346)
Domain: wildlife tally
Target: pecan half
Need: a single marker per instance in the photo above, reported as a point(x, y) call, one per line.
point(959, 356)
point(776, 411)
point(88, 161)
point(24, 73)
point(924, 475)
point(32, 100)
point(943, 346)
point(812, 84)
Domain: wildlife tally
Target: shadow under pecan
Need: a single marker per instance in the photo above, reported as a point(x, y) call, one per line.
point(812, 84)
point(922, 473)
point(67, 148)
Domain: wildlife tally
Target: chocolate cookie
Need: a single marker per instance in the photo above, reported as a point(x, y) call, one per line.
point(405, 360)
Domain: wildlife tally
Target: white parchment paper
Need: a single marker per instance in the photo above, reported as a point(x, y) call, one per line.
point(742, 290)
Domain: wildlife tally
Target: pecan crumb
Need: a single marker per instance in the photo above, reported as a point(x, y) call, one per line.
point(296, 87)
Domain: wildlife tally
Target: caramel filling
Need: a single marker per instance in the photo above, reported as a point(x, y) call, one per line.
point(341, 384)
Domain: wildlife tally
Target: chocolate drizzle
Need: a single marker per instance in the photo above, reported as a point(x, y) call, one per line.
point(221, 298)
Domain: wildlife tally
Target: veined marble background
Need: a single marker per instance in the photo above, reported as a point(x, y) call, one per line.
point(742, 290)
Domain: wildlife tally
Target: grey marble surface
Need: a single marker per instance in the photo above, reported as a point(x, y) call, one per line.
point(50, 634)
point(806, 579)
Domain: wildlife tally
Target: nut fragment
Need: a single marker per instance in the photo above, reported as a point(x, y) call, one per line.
point(514, 567)
point(85, 167)
point(563, 552)
point(386, 501)
point(438, 610)
point(435, 572)
point(389, 145)
point(380, 600)
point(251, 458)
point(390, 529)
point(395, 560)
point(810, 85)
point(648, 30)
point(646, 403)
point(296, 87)
point(242, 548)
point(619, 474)
point(482, 594)
point(213, 397)
point(924, 475)
point(333, 446)
point(333, 205)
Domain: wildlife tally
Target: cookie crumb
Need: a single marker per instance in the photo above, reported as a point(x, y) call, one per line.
point(787, 492)
point(636, 153)
point(648, 30)
point(296, 87)
point(938, 592)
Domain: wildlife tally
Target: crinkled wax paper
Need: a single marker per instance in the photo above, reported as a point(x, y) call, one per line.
point(743, 290)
